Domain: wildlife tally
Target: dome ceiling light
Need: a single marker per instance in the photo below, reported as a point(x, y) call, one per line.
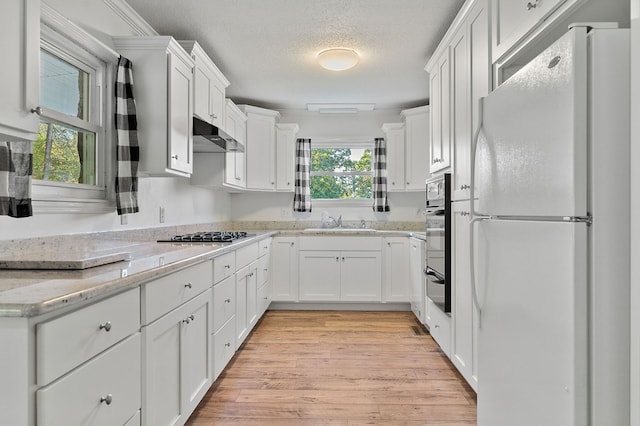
point(339, 59)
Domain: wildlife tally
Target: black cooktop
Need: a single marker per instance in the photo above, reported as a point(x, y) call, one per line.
point(208, 237)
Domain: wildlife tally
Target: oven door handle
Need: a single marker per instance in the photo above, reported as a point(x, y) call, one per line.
point(439, 279)
point(439, 212)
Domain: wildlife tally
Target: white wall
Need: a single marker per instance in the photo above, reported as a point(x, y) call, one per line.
point(635, 212)
point(183, 205)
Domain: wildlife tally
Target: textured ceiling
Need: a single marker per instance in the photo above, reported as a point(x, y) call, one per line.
point(267, 48)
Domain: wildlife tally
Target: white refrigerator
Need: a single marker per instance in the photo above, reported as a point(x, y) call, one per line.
point(550, 237)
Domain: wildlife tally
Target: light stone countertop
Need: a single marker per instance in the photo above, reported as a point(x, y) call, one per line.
point(32, 292)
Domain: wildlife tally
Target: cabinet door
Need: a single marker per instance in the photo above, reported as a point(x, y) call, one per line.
point(320, 275)
point(463, 318)
point(179, 115)
point(252, 295)
point(285, 156)
point(284, 269)
point(218, 93)
point(460, 125)
point(224, 345)
point(398, 272)
point(514, 19)
point(177, 369)
point(161, 403)
point(440, 144)
point(202, 90)
point(418, 280)
point(361, 276)
point(224, 302)
point(242, 325)
point(264, 298)
point(417, 149)
point(260, 152)
point(197, 368)
point(395, 135)
point(20, 83)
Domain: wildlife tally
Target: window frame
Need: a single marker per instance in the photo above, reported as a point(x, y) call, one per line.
point(355, 143)
point(60, 37)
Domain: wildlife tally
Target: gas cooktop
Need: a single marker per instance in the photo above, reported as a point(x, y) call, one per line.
point(208, 237)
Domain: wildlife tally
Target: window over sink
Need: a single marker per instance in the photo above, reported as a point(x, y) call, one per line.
point(341, 171)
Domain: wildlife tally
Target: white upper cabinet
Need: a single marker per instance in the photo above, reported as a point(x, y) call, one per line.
point(260, 149)
point(416, 148)
point(20, 83)
point(513, 20)
point(394, 134)
point(439, 86)
point(285, 156)
point(209, 85)
point(235, 167)
point(163, 80)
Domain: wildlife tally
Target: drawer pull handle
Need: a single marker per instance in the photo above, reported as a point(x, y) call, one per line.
point(189, 319)
point(227, 266)
point(188, 285)
point(228, 344)
point(174, 157)
point(106, 326)
point(227, 300)
point(37, 110)
point(532, 5)
point(107, 399)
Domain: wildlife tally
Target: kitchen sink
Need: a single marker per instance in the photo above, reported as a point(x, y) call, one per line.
point(340, 230)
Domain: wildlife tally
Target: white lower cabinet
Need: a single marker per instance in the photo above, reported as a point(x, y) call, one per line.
point(224, 345)
point(397, 270)
point(104, 391)
point(464, 322)
point(284, 269)
point(439, 325)
point(246, 301)
point(418, 279)
point(346, 269)
point(178, 362)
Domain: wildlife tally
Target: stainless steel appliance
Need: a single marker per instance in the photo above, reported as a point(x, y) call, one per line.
point(438, 247)
point(208, 237)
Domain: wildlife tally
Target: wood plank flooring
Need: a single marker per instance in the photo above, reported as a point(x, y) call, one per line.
point(338, 368)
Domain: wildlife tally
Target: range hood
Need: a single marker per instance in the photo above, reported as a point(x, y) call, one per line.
point(209, 138)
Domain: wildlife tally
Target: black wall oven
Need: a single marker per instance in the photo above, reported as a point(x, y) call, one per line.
point(438, 251)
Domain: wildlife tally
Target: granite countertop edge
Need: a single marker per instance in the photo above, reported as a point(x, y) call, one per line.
point(149, 260)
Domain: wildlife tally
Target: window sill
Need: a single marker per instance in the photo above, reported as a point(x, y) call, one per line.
point(72, 206)
point(342, 203)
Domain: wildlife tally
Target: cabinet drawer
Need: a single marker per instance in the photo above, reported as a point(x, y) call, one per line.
point(263, 270)
point(224, 266)
point(67, 341)
point(440, 327)
point(246, 255)
point(363, 243)
point(264, 247)
point(224, 302)
point(166, 293)
point(224, 345)
point(77, 398)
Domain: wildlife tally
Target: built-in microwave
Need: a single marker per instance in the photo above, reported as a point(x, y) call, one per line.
point(438, 246)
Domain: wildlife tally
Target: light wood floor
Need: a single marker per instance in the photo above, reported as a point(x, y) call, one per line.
point(338, 368)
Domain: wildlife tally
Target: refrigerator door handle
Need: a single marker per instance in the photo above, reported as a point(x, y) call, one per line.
point(472, 268)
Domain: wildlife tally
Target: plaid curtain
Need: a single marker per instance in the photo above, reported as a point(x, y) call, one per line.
point(380, 202)
point(16, 169)
point(128, 153)
point(302, 196)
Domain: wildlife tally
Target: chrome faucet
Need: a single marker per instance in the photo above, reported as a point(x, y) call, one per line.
point(338, 222)
point(363, 224)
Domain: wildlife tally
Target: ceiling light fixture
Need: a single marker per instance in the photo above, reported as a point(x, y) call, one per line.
point(340, 108)
point(338, 59)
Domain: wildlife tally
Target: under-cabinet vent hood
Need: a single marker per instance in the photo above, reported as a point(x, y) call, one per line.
point(209, 138)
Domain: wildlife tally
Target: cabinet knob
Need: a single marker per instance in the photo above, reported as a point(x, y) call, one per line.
point(343, 258)
point(107, 399)
point(389, 244)
point(227, 266)
point(214, 116)
point(292, 244)
point(532, 5)
point(408, 183)
point(265, 298)
point(188, 285)
point(464, 213)
point(463, 187)
point(393, 183)
point(36, 110)
point(227, 300)
point(106, 326)
point(337, 259)
point(189, 319)
point(175, 157)
point(288, 183)
point(228, 345)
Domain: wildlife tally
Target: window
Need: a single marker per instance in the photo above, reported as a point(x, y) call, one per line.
point(341, 171)
point(72, 151)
